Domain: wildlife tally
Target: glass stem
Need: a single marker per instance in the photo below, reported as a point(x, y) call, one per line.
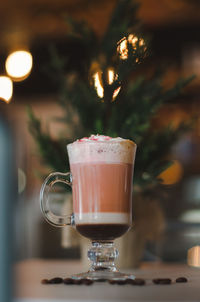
point(102, 256)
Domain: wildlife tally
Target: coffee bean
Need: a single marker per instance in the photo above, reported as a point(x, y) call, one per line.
point(138, 281)
point(181, 280)
point(112, 281)
point(165, 281)
point(130, 281)
point(45, 281)
point(77, 281)
point(68, 281)
point(87, 281)
point(156, 281)
point(121, 282)
point(56, 280)
point(162, 281)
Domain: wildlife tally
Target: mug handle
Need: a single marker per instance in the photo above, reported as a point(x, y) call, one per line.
point(55, 220)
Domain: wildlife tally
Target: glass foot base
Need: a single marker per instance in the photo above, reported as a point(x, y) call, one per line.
point(103, 276)
point(102, 256)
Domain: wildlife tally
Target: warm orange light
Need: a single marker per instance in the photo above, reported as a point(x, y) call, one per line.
point(193, 257)
point(19, 64)
point(6, 88)
point(111, 77)
point(115, 93)
point(97, 85)
point(123, 45)
point(173, 174)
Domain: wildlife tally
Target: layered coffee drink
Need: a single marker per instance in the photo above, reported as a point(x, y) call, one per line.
point(102, 172)
point(101, 179)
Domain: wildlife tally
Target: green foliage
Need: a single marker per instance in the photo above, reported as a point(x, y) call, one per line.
point(52, 152)
point(129, 115)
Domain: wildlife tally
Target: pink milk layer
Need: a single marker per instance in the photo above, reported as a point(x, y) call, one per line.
point(102, 171)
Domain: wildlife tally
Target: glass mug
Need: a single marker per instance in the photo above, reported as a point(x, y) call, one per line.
point(101, 180)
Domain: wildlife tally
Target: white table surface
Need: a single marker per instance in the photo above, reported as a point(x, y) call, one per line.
point(29, 273)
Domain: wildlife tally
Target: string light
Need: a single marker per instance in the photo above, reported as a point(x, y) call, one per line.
point(6, 88)
point(134, 41)
point(19, 64)
point(115, 93)
point(111, 77)
point(97, 85)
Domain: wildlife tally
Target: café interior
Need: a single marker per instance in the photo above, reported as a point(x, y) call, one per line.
point(34, 36)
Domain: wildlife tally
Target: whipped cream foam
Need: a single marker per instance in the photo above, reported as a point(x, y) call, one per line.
point(103, 218)
point(101, 148)
point(95, 138)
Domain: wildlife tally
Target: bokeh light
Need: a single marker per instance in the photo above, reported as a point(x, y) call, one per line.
point(19, 64)
point(173, 174)
point(6, 88)
point(134, 41)
point(193, 257)
point(98, 82)
point(97, 85)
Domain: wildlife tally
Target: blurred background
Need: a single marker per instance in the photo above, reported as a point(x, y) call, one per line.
point(34, 26)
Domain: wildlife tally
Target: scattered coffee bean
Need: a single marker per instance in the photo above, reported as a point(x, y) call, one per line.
point(121, 282)
point(162, 281)
point(45, 281)
point(138, 281)
point(87, 281)
point(156, 281)
point(68, 281)
point(130, 281)
point(181, 280)
point(112, 281)
point(56, 280)
point(166, 281)
point(77, 281)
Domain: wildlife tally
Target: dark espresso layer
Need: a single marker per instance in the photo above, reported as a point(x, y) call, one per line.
point(101, 232)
